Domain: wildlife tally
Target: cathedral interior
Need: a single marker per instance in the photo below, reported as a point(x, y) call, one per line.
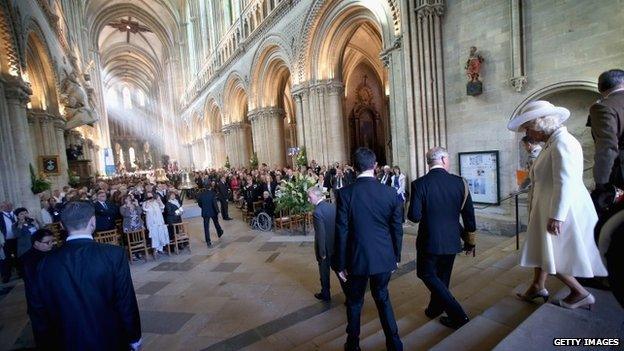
point(94, 89)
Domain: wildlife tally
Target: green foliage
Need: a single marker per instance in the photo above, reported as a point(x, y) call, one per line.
point(302, 158)
point(227, 162)
point(293, 196)
point(253, 161)
point(39, 184)
point(73, 179)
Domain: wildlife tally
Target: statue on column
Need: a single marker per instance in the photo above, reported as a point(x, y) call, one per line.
point(78, 111)
point(474, 86)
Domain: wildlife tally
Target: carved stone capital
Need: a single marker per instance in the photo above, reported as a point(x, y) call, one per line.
point(429, 8)
point(17, 91)
point(518, 83)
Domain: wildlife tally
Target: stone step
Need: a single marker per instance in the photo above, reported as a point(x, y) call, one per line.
point(605, 320)
point(330, 325)
point(372, 335)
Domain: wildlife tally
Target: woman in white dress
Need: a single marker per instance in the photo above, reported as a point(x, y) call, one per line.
point(155, 222)
point(560, 233)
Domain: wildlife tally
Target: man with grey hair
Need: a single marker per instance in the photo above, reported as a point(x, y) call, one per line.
point(324, 220)
point(437, 201)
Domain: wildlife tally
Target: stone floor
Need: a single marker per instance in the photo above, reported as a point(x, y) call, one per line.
point(248, 289)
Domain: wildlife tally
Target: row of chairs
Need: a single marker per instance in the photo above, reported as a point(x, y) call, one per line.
point(282, 220)
point(136, 241)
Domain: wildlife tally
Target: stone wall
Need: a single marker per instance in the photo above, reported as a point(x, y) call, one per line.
point(565, 40)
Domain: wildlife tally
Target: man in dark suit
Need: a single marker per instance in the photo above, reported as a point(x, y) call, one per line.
point(324, 220)
point(83, 298)
point(223, 195)
point(339, 181)
point(105, 213)
point(269, 185)
point(606, 118)
point(208, 203)
point(369, 234)
point(7, 220)
point(437, 201)
point(386, 176)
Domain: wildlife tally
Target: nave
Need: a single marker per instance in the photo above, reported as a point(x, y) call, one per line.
point(254, 291)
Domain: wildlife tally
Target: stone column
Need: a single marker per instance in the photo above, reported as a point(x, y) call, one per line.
point(8, 171)
point(335, 124)
point(237, 143)
point(58, 126)
point(298, 97)
point(17, 95)
point(425, 52)
point(267, 125)
point(218, 144)
point(208, 149)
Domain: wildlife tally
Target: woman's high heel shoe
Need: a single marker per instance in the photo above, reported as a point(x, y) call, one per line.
point(543, 293)
point(586, 302)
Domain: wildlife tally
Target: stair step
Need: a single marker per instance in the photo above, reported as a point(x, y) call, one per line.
point(479, 334)
point(426, 336)
point(549, 321)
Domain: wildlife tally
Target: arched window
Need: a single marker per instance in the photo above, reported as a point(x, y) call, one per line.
point(131, 157)
point(111, 97)
point(141, 98)
point(190, 39)
point(127, 99)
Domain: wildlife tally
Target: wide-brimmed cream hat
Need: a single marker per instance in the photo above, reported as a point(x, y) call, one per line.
point(537, 109)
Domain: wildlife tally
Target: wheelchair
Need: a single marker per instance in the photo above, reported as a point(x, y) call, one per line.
point(262, 222)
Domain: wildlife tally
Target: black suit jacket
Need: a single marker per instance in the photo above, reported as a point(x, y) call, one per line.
point(84, 299)
point(369, 228)
point(208, 203)
point(265, 187)
point(222, 190)
point(435, 202)
point(324, 219)
point(105, 217)
point(170, 216)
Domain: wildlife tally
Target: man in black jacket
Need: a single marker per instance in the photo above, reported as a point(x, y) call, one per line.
point(437, 201)
point(208, 203)
point(324, 220)
point(83, 297)
point(369, 234)
point(105, 212)
point(223, 195)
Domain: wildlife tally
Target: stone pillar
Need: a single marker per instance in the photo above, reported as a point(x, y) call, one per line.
point(63, 177)
point(425, 53)
point(17, 95)
point(219, 153)
point(298, 97)
point(8, 171)
point(335, 124)
point(238, 143)
point(267, 125)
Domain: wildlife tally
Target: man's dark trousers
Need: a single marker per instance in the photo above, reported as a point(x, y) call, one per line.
point(435, 272)
point(224, 208)
point(215, 219)
point(324, 272)
point(356, 287)
point(10, 261)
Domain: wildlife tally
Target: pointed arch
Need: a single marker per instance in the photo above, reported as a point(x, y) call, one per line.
point(40, 69)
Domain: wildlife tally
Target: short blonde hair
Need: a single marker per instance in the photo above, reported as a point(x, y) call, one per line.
point(546, 124)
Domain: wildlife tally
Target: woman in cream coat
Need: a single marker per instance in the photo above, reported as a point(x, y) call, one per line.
point(559, 239)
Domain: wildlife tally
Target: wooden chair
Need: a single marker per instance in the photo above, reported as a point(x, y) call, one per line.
point(119, 225)
point(282, 220)
point(136, 243)
point(55, 228)
point(108, 237)
point(180, 236)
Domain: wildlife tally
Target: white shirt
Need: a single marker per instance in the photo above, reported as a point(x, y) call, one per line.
point(79, 236)
point(8, 224)
point(436, 166)
point(368, 174)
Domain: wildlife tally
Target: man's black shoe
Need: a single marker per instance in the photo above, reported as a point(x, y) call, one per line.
point(432, 314)
point(448, 322)
point(220, 234)
point(322, 297)
point(228, 219)
point(209, 244)
point(352, 348)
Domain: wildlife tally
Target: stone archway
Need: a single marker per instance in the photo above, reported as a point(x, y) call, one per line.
point(46, 123)
point(238, 137)
point(274, 113)
point(576, 96)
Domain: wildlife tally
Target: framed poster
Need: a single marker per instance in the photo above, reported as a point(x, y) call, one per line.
point(49, 164)
point(480, 168)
